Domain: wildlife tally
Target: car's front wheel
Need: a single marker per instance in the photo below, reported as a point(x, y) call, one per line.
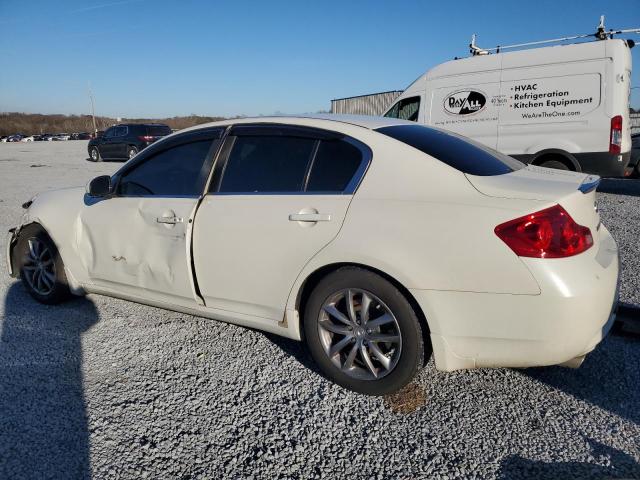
point(362, 332)
point(41, 268)
point(95, 154)
point(132, 152)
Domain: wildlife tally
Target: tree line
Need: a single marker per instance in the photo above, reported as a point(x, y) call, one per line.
point(37, 124)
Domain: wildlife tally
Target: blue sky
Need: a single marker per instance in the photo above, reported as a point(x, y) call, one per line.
point(157, 58)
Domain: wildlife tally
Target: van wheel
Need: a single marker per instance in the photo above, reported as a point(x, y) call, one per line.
point(362, 332)
point(557, 164)
point(132, 152)
point(41, 268)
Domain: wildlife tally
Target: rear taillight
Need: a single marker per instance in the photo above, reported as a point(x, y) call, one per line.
point(549, 233)
point(147, 138)
point(615, 139)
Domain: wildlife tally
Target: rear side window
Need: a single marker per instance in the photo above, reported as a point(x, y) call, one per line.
point(158, 130)
point(178, 171)
point(405, 109)
point(267, 164)
point(456, 151)
point(334, 166)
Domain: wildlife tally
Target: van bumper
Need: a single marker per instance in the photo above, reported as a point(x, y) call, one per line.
point(604, 164)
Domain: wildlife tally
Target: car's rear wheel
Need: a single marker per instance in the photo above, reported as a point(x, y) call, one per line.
point(41, 268)
point(132, 152)
point(362, 332)
point(95, 154)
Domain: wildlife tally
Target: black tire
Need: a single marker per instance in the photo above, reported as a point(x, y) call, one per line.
point(94, 153)
point(557, 164)
point(59, 291)
point(412, 351)
point(131, 152)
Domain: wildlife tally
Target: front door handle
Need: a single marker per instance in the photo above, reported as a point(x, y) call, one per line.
point(169, 220)
point(309, 217)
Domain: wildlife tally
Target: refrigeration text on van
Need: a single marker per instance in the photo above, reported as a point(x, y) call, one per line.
point(535, 96)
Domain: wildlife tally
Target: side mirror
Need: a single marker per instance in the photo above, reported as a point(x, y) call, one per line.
point(99, 186)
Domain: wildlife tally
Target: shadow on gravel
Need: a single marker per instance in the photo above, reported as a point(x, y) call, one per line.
point(43, 422)
point(294, 349)
point(620, 186)
point(606, 379)
point(619, 465)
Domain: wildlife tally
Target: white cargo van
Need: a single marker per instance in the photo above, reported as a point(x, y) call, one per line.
point(564, 106)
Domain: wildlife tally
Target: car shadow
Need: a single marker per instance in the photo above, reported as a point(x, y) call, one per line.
point(295, 349)
point(618, 465)
point(43, 420)
point(620, 186)
point(608, 378)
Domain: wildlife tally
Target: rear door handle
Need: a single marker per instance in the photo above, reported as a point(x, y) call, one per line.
point(169, 220)
point(309, 217)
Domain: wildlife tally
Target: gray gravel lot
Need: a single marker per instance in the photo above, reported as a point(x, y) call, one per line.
point(104, 388)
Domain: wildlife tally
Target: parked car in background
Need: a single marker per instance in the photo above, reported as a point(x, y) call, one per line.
point(30, 138)
point(15, 138)
point(3, 138)
point(61, 137)
point(379, 242)
point(124, 141)
point(81, 136)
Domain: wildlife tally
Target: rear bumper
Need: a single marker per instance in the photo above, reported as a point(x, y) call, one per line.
point(571, 315)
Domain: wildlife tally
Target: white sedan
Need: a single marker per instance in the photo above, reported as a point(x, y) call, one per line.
point(378, 242)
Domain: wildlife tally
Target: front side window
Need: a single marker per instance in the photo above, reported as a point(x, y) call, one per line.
point(267, 164)
point(177, 171)
point(405, 109)
point(109, 133)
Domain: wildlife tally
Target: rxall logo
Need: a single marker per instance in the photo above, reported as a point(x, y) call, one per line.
point(465, 102)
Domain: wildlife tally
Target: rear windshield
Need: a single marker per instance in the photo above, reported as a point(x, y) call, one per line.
point(455, 150)
point(157, 130)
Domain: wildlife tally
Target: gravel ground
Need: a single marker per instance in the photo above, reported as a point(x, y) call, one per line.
point(105, 388)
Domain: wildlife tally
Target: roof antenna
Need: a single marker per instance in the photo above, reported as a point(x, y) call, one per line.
point(474, 49)
point(601, 33)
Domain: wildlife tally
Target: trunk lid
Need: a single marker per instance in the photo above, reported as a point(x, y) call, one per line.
point(575, 192)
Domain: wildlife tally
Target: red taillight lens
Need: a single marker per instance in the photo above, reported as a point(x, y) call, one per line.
point(615, 142)
point(549, 233)
point(146, 138)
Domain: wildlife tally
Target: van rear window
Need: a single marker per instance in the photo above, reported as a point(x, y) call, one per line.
point(455, 150)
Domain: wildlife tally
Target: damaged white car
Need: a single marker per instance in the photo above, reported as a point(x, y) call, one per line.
point(379, 242)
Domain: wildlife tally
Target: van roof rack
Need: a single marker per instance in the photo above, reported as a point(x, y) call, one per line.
point(600, 34)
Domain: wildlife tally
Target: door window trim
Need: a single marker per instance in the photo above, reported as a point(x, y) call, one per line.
point(264, 129)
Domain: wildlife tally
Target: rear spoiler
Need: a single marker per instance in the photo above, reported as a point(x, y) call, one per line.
point(590, 183)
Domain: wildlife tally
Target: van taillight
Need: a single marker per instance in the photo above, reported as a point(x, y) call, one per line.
point(146, 138)
point(549, 233)
point(615, 142)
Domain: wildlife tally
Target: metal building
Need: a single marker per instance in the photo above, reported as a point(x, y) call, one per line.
point(373, 104)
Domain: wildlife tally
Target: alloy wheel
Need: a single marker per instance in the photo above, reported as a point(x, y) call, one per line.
point(360, 334)
point(39, 267)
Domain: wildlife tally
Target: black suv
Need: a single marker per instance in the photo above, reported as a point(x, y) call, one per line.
point(124, 141)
